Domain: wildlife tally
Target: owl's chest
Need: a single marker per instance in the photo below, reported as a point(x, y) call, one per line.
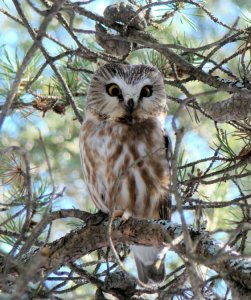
point(116, 144)
point(132, 159)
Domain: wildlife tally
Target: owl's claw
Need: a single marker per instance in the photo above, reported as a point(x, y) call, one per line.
point(124, 219)
point(124, 215)
point(117, 214)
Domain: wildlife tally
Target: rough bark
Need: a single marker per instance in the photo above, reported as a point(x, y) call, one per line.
point(225, 261)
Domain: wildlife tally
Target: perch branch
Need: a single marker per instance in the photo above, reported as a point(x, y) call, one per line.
point(226, 262)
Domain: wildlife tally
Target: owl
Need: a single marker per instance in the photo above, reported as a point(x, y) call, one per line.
point(125, 151)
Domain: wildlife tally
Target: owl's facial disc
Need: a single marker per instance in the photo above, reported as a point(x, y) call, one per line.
point(129, 97)
point(124, 93)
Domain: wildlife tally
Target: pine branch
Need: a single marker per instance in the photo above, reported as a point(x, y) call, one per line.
point(55, 8)
point(236, 108)
point(225, 261)
point(29, 55)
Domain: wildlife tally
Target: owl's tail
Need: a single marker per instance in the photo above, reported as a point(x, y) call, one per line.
point(150, 263)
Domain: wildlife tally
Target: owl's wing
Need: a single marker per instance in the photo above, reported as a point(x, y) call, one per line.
point(166, 203)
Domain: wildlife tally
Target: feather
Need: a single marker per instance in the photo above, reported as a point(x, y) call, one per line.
point(150, 263)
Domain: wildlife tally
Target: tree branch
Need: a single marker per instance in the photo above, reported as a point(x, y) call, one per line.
point(37, 41)
point(237, 107)
point(226, 262)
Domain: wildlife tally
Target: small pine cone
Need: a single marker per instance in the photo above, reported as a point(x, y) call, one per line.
point(123, 14)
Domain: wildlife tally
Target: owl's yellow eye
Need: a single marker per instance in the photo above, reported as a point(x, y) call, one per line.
point(146, 91)
point(113, 90)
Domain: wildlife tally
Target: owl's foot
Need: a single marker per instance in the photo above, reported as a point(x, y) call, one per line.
point(124, 215)
point(117, 214)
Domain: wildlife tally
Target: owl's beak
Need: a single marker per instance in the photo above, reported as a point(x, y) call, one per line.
point(130, 106)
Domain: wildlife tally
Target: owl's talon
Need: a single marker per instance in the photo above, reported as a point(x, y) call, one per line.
point(123, 221)
point(117, 214)
point(124, 215)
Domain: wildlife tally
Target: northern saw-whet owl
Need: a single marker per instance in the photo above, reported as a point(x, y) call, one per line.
point(125, 151)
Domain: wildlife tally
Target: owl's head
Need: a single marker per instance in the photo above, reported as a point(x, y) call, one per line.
point(126, 92)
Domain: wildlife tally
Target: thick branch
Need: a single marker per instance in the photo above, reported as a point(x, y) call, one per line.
point(233, 109)
point(93, 236)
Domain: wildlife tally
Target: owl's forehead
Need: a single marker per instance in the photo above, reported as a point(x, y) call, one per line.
point(132, 75)
point(127, 86)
